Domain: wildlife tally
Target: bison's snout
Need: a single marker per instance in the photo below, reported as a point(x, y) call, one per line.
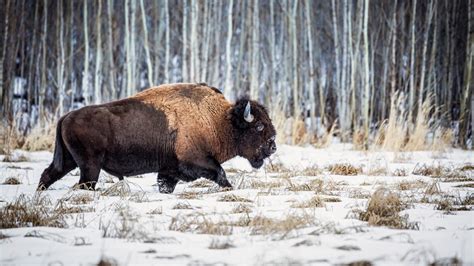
point(273, 147)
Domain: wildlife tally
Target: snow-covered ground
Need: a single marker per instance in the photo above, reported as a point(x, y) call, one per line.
point(194, 225)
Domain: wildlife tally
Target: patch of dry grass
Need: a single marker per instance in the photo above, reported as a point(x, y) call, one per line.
point(428, 170)
point(200, 224)
point(383, 210)
point(13, 180)
point(400, 172)
point(201, 183)
point(277, 167)
point(31, 211)
point(182, 206)
point(257, 184)
point(125, 225)
point(188, 195)
point(80, 198)
point(314, 202)
point(158, 210)
point(220, 244)
point(313, 170)
point(261, 225)
point(331, 199)
point(316, 185)
point(242, 208)
point(41, 138)
point(344, 169)
point(410, 184)
point(232, 198)
point(15, 158)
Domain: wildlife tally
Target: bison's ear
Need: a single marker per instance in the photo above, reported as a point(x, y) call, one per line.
point(241, 114)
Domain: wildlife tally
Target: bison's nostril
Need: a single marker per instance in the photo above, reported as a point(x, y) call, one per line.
point(273, 148)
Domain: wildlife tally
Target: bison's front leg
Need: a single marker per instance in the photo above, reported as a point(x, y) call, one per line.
point(166, 183)
point(209, 169)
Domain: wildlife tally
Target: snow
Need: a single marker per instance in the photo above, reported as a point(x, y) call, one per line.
point(335, 236)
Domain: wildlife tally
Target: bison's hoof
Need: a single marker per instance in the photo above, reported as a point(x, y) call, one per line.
point(85, 186)
point(41, 187)
point(223, 189)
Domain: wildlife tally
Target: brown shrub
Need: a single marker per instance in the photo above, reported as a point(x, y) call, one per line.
point(344, 169)
point(27, 212)
point(12, 181)
point(314, 202)
point(232, 198)
point(383, 210)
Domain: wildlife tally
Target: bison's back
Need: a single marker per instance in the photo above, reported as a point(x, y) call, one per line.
point(131, 137)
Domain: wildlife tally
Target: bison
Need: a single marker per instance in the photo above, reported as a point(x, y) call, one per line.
point(181, 131)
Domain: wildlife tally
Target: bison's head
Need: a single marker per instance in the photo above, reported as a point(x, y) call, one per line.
point(254, 132)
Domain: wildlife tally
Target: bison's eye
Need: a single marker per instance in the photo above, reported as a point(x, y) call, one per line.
point(260, 127)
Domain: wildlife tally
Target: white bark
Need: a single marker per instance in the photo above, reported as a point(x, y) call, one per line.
point(228, 55)
point(145, 44)
point(85, 75)
point(98, 57)
point(254, 72)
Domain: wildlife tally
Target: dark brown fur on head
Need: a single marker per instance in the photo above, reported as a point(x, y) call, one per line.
point(256, 139)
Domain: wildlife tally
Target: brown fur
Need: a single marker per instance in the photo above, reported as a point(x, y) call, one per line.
point(182, 131)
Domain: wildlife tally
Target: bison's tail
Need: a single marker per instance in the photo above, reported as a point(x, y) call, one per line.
point(59, 149)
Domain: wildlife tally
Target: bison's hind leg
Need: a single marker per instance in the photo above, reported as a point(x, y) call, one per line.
point(52, 174)
point(89, 175)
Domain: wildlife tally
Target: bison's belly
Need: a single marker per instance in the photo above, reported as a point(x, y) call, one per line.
point(138, 161)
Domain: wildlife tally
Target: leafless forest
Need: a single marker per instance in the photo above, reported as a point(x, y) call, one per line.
point(365, 70)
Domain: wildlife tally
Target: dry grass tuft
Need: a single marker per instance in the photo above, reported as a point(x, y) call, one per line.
point(34, 211)
point(41, 138)
point(188, 195)
point(125, 225)
point(331, 199)
point(15, 158)
point(200, 224)
point(201, 183)
point(400, 172)
point(383, 210)
point(344, 169)
point(221, 244)
point(261, 225)
point(242, 208)
point(467, 167)
point(313, 170)
point(232, 198)
point(314, 202)
point(277, 167)
point(120, 189)
point(257, 184)
point(316, 185)
point(409, 184)
point(12, 181)
point(81, 198)
point(157, 210)
point(428, 170)
point(182, 206)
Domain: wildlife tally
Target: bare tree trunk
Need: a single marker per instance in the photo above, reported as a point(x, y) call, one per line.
point(412, 67)
point(312, 100)
point(110, 52)
point(228, 55)
point(147, 48)
point(194, 44)
point(61, 61)
point(128, 56)
point(254, 72)
point(4, 92)
point(466, 97)
point(98, 57)
point(393, 79)
point(423, 61)
point(185, 42)
point(366, 74)
point(167, 42)
point(42, 90)
point(133, 50)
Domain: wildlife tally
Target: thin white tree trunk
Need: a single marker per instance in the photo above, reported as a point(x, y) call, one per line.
point(98, 57)
point(412, 66)
point(423, 61)
point(366, 74)
point(110, 51)
point(146, 45)
point(312, 71)
point(61, 61)
point(167, 42)
point(185, 42)
point(128, 56)
point(228, 55)
point(254, 72)
point(194, 44)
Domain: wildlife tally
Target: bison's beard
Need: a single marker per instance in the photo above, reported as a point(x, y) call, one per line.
point(256, 163)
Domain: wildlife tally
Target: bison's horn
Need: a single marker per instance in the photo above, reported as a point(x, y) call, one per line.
point(247, 114)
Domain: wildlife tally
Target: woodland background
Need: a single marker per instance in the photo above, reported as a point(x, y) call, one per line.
point(396, 74)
